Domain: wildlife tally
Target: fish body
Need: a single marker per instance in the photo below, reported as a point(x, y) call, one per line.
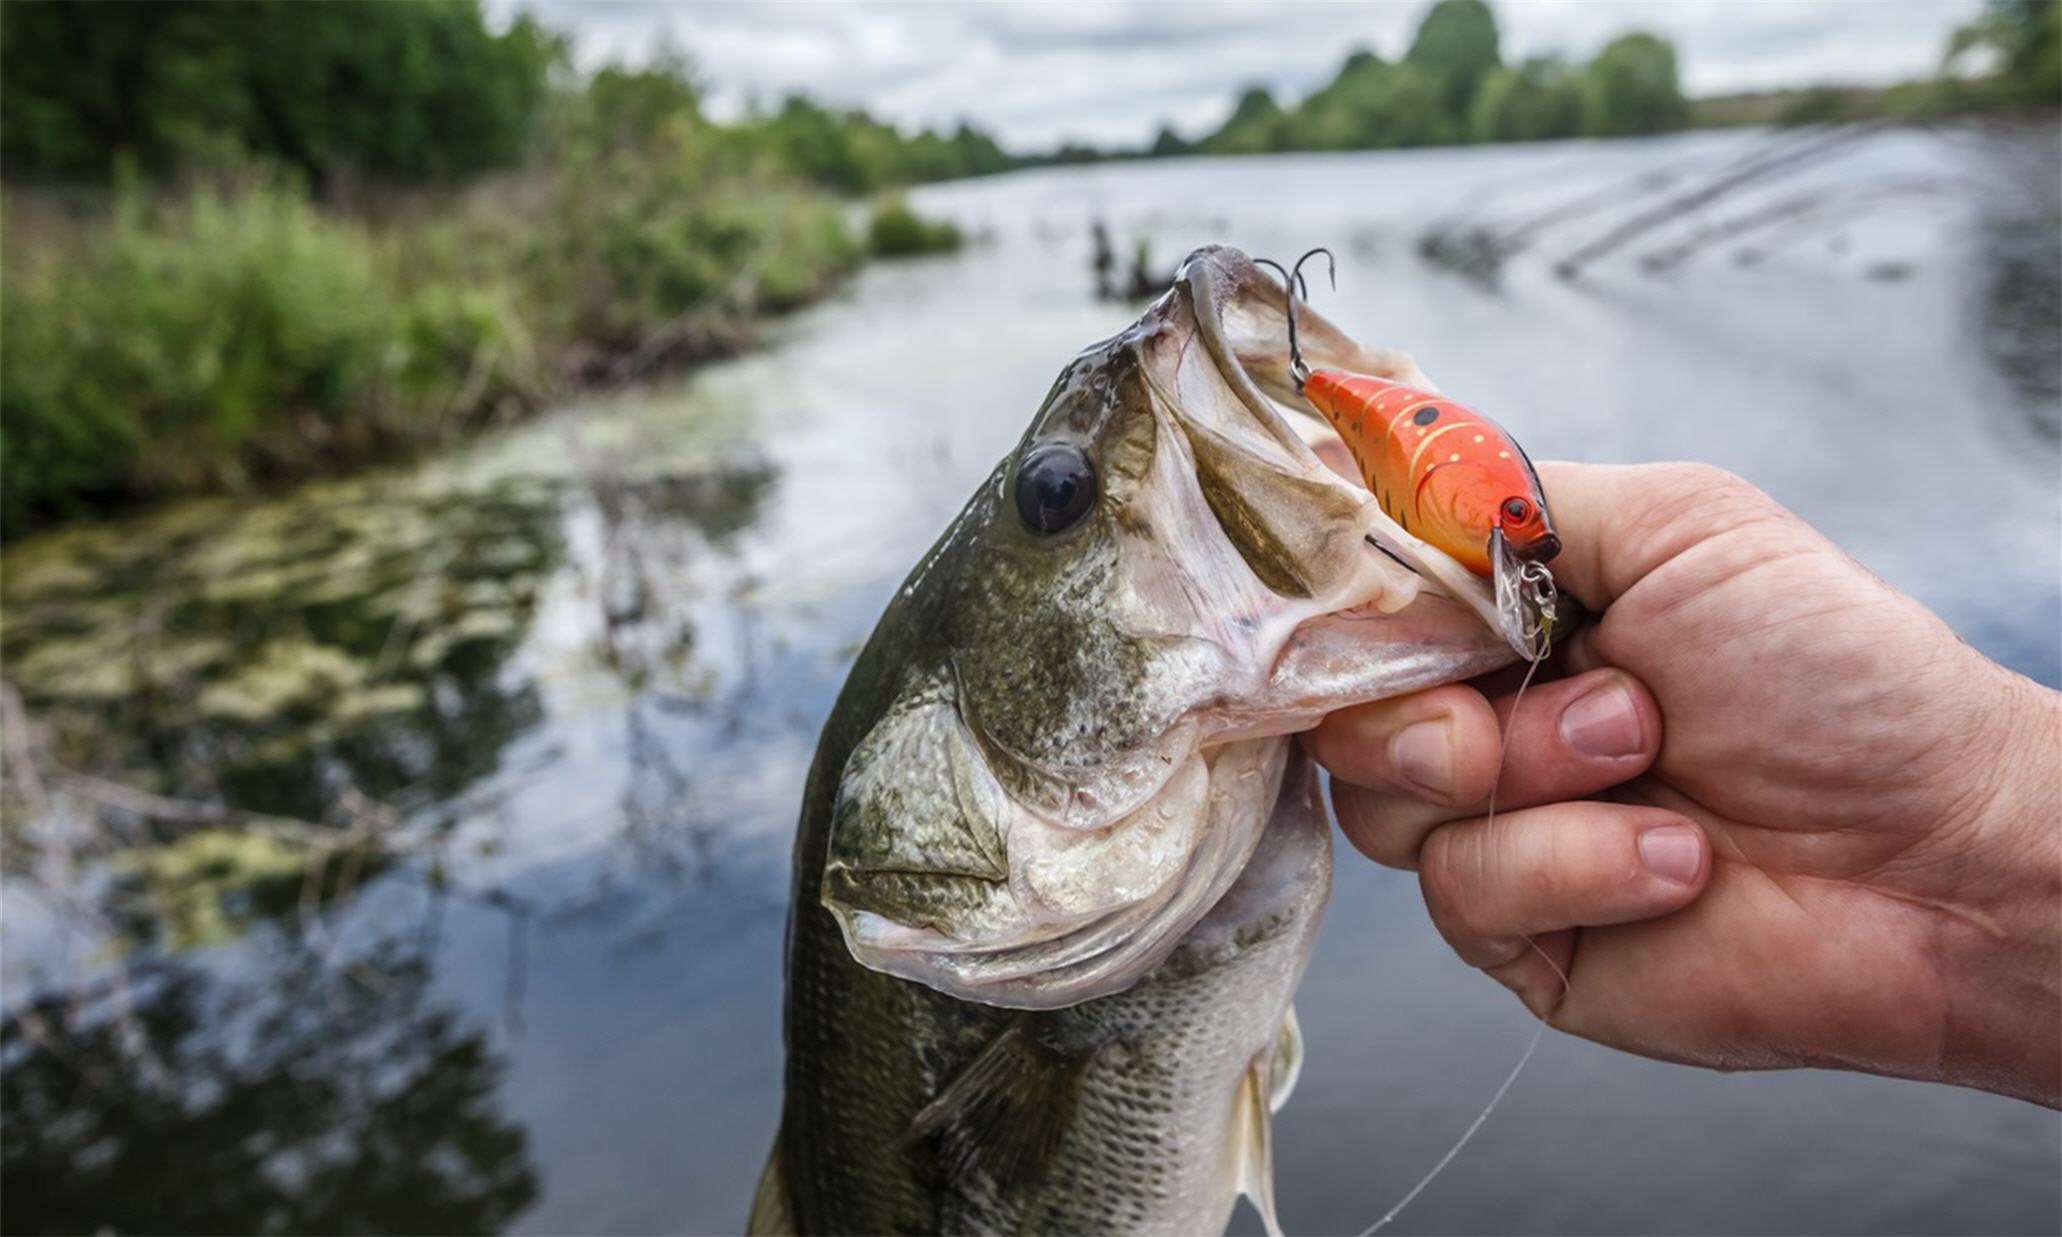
point(1440, 469)
point(1057, 873)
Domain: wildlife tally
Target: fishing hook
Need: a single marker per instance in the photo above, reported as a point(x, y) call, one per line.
point(1292, 279)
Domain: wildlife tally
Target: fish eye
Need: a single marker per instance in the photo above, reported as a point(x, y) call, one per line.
point(1055, 488)
point(1516, 511)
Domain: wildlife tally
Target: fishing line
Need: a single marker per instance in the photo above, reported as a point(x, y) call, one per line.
point(1524, 1058)
point(1538, 1032)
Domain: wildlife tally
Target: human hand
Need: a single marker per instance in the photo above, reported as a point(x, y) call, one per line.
point(1842, 848)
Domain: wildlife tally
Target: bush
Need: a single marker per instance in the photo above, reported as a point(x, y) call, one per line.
point(693, 226)
point(196, 341)
point(808, 248)
point(897, 231)
point(190, 343)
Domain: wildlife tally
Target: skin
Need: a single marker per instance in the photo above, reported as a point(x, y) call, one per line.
point(1774, 814)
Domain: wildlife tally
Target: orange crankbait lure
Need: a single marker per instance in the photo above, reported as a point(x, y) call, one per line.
point(1448, 475)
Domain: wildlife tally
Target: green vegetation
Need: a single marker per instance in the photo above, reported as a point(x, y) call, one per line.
point(897, 231)
point(1542, 98)
point(272, 251)
point(1452, 87)
point(2025, 38)
point(262, 239)
point(1631, 89)
point(2009, 58)
point(852, 152)
point(188, 343)
point(1457, 44)
point(412, 91)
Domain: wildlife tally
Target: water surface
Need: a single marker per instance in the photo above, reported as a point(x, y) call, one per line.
point(529, 724)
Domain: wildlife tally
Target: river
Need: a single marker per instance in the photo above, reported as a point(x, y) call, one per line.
point(529, 722)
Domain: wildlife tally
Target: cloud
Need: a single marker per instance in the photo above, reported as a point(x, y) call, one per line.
point(1036, 72)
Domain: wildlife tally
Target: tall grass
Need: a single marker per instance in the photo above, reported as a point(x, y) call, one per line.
point(171, 348)
point(897, 231)
point(235, 333)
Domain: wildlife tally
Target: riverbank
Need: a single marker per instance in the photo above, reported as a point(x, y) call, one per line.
point(234, 334)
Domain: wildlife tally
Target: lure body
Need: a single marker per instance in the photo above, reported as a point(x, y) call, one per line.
point(1446, 473)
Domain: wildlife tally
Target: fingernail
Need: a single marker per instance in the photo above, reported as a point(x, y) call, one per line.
point(1422, 754)
point(1672, 852)
point(1602, 723)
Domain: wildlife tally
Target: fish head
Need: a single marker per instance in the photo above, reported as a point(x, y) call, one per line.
point(1090, 679)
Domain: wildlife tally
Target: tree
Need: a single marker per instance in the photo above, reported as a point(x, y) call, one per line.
point(1348, 111)
point(976, 153)
point(397, 91)
point(1538, 100)
point(1169, 144)
point(1374, 105)
point(631, 109)
point(2026, 38)
point(1457, 42)
point(1255, 125)
point(1631, 88)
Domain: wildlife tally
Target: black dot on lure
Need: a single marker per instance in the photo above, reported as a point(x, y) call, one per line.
point(1055, 488)
point(1426, 415)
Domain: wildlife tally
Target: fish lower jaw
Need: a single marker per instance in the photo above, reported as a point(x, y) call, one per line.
point(1073, 932)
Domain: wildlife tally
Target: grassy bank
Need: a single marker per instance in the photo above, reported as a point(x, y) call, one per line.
point(236, 333)
point(226, 261)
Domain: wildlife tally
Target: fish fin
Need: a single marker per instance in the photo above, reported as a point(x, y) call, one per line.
point(1287, 1065)
point(1006, 1111)
point(1252, 1140)
point(770, 1215)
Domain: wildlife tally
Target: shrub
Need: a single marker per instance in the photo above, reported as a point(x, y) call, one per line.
point(189, 343)
point(198, 342)
point(897, 231)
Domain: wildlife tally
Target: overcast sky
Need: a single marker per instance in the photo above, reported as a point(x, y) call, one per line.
point(1035, 72)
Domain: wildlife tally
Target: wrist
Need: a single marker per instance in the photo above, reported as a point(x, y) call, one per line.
point(2000, 947)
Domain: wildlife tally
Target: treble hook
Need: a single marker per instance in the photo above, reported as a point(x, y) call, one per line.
point(1292, 278)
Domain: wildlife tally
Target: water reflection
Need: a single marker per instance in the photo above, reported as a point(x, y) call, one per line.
point(254, 752)
point(2022, 315)
point(273, 657)
point(651, 534)
point(286, 1102)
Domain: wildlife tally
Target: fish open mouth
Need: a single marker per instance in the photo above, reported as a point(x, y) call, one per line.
point(1261, 591)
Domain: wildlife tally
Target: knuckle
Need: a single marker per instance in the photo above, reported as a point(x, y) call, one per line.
point(1711, 497)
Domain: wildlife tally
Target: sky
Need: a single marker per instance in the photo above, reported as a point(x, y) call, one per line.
point(1036, 72)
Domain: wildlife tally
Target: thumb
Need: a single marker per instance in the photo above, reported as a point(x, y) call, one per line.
point(1617, 523)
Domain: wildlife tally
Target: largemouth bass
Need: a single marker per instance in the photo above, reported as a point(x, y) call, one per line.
point(1058, 873)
